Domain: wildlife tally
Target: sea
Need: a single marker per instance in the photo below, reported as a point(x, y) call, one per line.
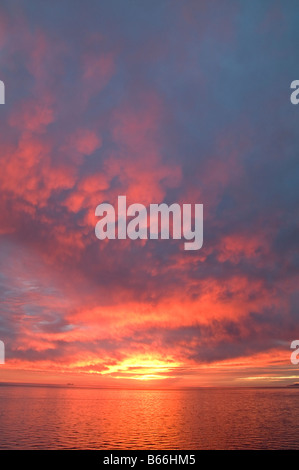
point(47, 417)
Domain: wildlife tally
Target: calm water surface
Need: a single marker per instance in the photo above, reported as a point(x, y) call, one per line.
point(61, 418)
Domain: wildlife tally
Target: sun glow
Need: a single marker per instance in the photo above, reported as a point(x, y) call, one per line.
point(140, 368)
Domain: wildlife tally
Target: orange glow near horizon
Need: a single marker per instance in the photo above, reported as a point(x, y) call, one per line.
point(267, 369)
point(139, 368)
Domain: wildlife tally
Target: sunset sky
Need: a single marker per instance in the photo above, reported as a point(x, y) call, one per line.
point(161, 101)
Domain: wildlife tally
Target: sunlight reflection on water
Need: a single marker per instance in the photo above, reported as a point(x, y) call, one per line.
point(54, 418)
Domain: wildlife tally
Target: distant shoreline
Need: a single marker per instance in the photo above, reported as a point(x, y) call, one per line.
point(94, 387)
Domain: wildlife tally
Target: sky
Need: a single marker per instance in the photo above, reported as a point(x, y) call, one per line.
point(161, 101)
